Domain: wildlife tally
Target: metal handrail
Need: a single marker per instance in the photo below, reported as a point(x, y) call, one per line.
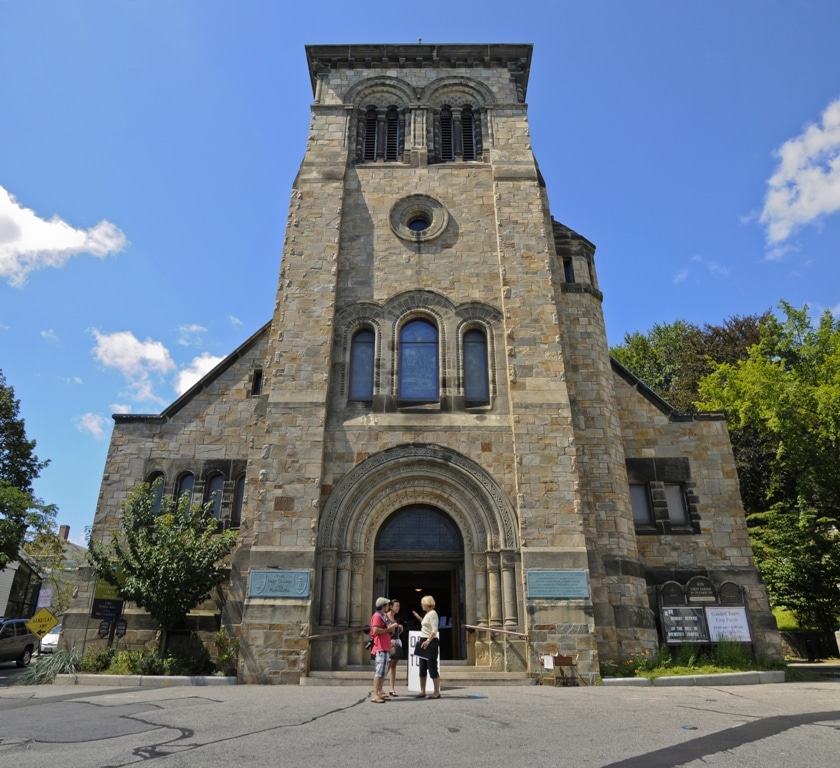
point(496, 631)
point(339, 632)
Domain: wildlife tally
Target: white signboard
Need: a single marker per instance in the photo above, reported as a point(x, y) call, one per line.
point(45, 598)
point(413, 662)
point(728, 623)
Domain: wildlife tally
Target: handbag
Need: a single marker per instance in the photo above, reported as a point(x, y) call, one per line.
point(422, 653)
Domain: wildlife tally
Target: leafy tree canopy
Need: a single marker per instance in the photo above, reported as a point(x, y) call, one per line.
point(165, 556)
point(22, 516)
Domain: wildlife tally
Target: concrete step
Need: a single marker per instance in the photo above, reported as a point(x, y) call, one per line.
point(452, 674)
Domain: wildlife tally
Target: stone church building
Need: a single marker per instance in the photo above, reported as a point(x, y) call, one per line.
point(432, 408)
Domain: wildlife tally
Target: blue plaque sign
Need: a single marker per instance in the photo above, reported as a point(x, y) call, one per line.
point(558, 585)
point(279, 584)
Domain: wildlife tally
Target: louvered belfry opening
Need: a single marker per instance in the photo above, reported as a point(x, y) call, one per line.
point(447, 145)
point(468, 134)
point(370, 123)
point(392, 135)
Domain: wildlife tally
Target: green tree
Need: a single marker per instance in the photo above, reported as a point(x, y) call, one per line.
point(673, 358)
point(165, 555)
point(788, 389)
point(20, 511)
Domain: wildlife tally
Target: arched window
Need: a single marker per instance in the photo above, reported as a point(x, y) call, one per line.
point(370, 124)
point(447, 145)
point(238, 499)
point(418, 363)
point(361, 366)
point(213, 492)
point(419, 528)
point(468, 141)
point(392, 135)
point(476, 378)
point(156, 481)
point(186, 482)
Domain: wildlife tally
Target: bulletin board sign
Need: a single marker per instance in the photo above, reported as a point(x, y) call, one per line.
point(728, 623)
point(684, 625)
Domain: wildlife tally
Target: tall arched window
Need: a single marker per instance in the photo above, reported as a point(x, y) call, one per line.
point(468, 139)
point(370, 123)
point(361, 366)
point(418, 363)
point(392, 135)
point(476, 378)
point(238, 499)
point(213, 492)
point(156, 481)
point(447, 144)
point(186, 483)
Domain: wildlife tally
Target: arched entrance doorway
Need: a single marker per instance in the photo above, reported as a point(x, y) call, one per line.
point(419, 551)
point(367, 548)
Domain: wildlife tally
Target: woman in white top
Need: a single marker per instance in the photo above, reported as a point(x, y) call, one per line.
point(431, 641)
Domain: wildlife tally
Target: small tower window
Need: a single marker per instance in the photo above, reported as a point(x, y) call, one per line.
point(361, 367)
point(447, 145)
point(568, 270)
point(476, 380)
point(468, 134)
point(370, 125)
point(392, 135)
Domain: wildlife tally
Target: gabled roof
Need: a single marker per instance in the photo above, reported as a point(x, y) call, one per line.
point(646, 392)
point(199, 386)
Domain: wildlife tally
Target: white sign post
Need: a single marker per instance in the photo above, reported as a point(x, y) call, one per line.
point(45, 598)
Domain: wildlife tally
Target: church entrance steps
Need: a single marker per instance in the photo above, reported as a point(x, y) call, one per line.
point(451, 676)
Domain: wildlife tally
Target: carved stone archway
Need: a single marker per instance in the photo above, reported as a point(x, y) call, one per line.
point(359, 505)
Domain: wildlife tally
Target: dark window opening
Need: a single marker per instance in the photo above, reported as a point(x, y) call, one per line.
point(369, 150)
point(392, 135)
point(568, 270)
point(476, 378)
point(257, 381)
point(447, 145)
point(361, 366)
point(468, 134)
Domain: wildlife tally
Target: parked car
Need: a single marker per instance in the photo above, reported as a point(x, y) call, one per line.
point(49, 642)
point(17, 643)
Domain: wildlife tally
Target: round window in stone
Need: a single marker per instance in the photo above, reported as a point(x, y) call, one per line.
point(418, 218)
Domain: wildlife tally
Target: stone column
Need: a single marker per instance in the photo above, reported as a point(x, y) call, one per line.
point(327, 587)
point(342, 591)
point(509, 589)
point(480, 570)
point(494, 589)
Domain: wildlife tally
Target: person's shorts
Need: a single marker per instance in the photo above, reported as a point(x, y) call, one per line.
point(380, 664)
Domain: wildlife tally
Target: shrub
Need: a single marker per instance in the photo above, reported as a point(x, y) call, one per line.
point(66, 662)
point(97, 661)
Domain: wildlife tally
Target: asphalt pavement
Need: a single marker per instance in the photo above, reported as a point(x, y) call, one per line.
point(760, 726)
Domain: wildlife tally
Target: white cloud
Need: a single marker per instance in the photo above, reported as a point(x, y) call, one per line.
point(28, 242)
point(198, 367)
point(50, 335)
point(234, 321)
point(92, 423)
point(188, 334)
point(806, 184)
point(681, 276)
point(120, 408)
point(72, 380)
point(136, 360)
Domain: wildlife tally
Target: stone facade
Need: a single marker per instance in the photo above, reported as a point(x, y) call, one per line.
point(419, 203)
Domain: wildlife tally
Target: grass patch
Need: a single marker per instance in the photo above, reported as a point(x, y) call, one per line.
point(690, 660)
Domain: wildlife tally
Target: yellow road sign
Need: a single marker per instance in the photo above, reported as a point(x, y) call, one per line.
point(41, 623)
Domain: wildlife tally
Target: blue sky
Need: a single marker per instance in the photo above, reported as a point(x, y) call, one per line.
point(147, 152)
